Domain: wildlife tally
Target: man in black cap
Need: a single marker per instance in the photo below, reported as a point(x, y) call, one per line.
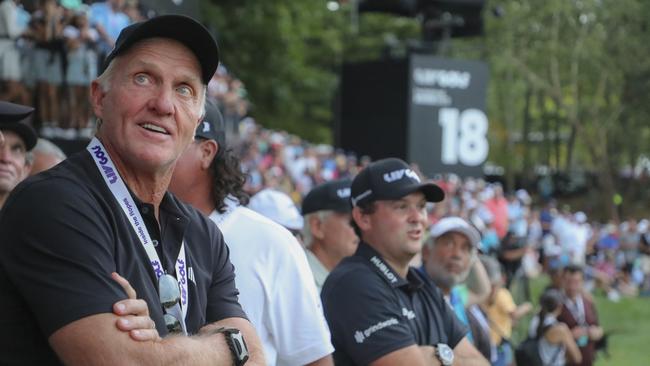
point(16, 140)
point(273, 276)
point(380, 311)
point(327, 233)
point(67, 231)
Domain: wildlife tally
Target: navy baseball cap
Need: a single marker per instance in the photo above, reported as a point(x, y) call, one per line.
point(184, 29)
point(333, 195)
point(11, 116)
point(390, 179)
point(212, 127)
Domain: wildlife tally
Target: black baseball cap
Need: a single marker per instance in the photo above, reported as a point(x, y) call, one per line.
point(390, 179)
point(11, 116)
point(212, 127)
point(333, 195)
point(184, 29)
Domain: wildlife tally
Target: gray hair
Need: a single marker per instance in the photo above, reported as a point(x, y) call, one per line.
point(307, 236)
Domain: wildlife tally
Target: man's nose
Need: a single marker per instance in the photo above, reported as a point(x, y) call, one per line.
point(162, 102)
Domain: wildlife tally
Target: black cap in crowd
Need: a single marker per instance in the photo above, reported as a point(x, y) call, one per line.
point(184, 29)
point(212, 127)
point(333, 195)
point(390, 179)
point(11, 116)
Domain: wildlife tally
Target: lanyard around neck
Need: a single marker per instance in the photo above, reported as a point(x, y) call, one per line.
point(121, 194)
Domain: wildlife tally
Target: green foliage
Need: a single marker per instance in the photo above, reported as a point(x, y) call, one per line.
point(287, 54)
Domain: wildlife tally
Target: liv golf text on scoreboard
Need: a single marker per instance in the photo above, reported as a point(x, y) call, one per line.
point(449, 126)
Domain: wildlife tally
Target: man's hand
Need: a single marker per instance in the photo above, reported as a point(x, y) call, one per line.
point(595, 333)
point(134, 314)
point(579, 332)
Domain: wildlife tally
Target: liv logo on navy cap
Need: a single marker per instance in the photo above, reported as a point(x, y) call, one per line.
point(390, 179)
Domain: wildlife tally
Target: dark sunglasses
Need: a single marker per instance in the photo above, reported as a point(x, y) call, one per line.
point(170, 295)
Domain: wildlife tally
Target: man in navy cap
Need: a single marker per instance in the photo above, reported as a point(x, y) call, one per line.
point(16, 140)
point(67, 231)
point(381, 311)
point(277, 291)
point(327, 233)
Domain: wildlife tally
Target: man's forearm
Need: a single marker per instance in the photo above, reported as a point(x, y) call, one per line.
point(95, 340)
point(255, 350)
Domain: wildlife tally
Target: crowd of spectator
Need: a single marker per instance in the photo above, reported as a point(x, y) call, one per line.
point(539, 236)
point(51, 50)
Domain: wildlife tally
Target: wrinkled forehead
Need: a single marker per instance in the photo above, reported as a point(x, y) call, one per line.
point(167, 49)
point(9, 137)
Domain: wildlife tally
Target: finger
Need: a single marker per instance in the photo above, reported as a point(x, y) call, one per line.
point(131, 307)
point(130, 292)
point(133, 322)
point(145, 335)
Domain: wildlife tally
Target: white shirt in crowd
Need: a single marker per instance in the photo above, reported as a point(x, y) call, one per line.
point(276, 286)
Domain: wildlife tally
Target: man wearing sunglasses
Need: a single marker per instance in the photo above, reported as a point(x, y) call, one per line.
point(277, 290)
point(106, 210)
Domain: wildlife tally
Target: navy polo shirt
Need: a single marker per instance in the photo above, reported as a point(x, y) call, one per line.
point(372, 311)
point(62, 233)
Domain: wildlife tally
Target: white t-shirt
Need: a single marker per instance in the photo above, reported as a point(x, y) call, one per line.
point(276, 286)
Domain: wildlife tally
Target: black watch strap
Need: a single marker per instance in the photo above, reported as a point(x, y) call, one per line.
point(236, 343)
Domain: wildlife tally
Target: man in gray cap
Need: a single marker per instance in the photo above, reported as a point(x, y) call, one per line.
point(327, 233)
point(16, 140)
point(106, 210)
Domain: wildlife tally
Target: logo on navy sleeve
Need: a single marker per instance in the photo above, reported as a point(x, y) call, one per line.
point(361, 336)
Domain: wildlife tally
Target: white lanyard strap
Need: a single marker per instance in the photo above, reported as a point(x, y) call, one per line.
point(121, 193)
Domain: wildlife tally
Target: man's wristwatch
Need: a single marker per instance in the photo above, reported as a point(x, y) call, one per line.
point(445, 354)
point(236, 343)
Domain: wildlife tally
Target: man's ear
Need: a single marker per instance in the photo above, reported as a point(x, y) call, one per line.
point(209, 149)
point(316, 227)
point(362, 220)
point(29, 163)
point(97, 98)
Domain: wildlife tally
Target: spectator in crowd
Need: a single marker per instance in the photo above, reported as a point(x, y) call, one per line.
point(273, 276)
point(80, 39)
point(47, 27)
point(327, 234)
point(150, 99)
point(630, 241)
point(45, 155)
point(380, 311)
point(555, 341)
point(16, 140)
point(497, 204)
point(579, 314)
point(502, 312)
point(109, 19)
point(449, 256)
point(11, 71)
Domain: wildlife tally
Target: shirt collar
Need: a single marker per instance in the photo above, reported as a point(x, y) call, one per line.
point(385, 271)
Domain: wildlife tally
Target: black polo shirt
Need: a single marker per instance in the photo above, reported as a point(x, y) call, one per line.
point(372, 311)
point(62, 234)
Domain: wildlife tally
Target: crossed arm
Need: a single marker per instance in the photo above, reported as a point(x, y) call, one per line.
point(464, 355)
point(127, 337)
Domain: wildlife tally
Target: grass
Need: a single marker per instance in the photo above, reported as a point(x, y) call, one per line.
point(629, 320)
